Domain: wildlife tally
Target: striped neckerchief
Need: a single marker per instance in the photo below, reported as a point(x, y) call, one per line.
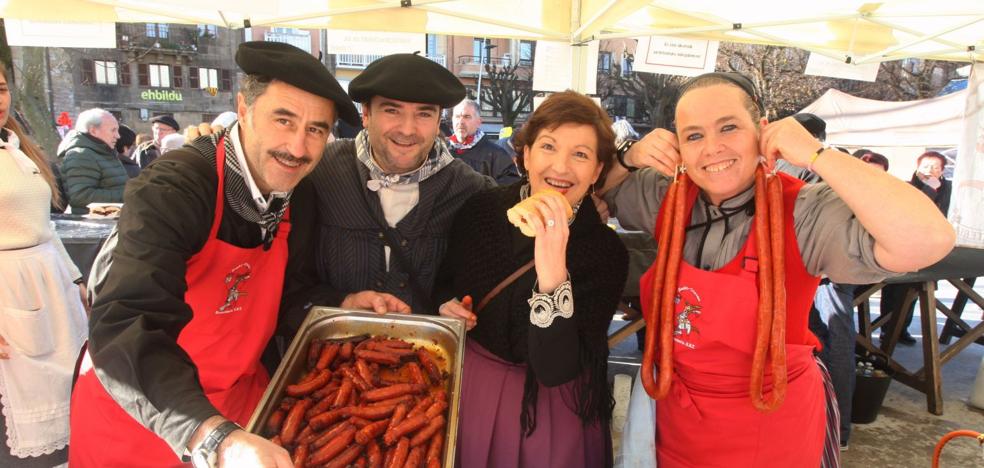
point(436, 160)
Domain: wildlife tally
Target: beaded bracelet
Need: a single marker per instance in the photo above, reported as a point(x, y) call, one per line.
point(544, 307)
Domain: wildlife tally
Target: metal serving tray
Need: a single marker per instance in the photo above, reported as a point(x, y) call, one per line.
point(445, 336)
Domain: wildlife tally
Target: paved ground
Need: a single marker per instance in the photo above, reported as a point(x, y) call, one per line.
point(905, 433)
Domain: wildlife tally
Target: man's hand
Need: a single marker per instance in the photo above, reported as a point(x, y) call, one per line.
point(659, 150)
point(243, 449)
point(378, 302)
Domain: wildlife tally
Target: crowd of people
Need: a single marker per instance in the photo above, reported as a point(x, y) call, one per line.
point(231, 232)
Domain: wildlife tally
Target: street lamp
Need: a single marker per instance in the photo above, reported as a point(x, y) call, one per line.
point(481, 66)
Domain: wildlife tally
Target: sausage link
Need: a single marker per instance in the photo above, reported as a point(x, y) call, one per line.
point(330, 434)
point(332, 448)
point(392, 401)
point(356, 379)
point(325, 419)
point(275, 421)
point(436, 409)
point(363, 369)
point(652, 311)
point(320, 380)
point(406, 427)
point(328, 355)
point(371, 431)
point(346, 458)
point(416, 374)
point(374, 454)
point(425, 434)
point(391, 391)
point(421, 407)
point(343, 394)
point(429, 365)
point(314, 352)
point(415, 458)
point(300, 455)
point(345, 353)
point(292, 425)
point(777, 345)
point(400, 453)
point(372, 412)
point(322, 405)
point(381, 357)
point(763, 325)
point(435, 447)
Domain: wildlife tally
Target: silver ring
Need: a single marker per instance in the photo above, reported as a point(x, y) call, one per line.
point(550, 223)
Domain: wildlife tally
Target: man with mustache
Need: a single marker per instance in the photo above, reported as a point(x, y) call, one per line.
point(212, 241)
point(388, 196)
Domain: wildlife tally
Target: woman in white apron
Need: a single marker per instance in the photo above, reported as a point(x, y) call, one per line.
point(42, 319)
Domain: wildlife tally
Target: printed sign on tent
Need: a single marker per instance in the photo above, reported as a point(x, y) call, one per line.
point(821, 65)
point(968, 176)
point(344, 41)
point(60, 34)
point(553, 68)
point(675, 56)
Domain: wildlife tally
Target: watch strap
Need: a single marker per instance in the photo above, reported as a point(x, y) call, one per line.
point(620, 153)
point(210, 445)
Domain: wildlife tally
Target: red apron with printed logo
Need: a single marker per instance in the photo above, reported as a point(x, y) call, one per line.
point(234, 293)
point(708, 420)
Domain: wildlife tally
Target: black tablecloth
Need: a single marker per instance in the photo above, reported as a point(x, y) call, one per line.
point(962, 262)
point(82, 237)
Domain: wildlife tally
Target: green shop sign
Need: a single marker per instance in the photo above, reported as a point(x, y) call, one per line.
point(160, 95)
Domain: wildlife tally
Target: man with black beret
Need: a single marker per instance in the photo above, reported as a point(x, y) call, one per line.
point(211, 245)
point(388, 196)
point(161, 126)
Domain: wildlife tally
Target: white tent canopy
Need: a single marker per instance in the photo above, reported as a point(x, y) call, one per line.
point(850, 30)
point(899, 130)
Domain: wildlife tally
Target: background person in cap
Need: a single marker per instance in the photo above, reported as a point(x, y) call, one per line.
point(860, 225)
point(212, 242)
point(162, 126)
point(388, 196)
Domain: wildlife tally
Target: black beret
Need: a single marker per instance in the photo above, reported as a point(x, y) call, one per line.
point(410, 78)
point(297, 68)
point(166, 120)
point(813, 124)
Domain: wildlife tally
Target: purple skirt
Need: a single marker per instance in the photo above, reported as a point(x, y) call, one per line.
point(489, 431)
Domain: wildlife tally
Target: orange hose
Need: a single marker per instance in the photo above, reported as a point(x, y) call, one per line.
point(953, 435)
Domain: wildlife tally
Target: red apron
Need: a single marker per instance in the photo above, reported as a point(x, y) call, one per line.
point(234, 293)
point(708, 420)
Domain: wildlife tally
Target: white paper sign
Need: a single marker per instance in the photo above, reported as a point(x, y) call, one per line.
point(968, 175)
point(537, 100)
point(343, 41)
point(675, 56)
point(553, 68)
point(821, 65)
point(60, 34)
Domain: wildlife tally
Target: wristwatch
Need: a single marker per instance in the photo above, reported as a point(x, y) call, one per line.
point(620, 153)
point(207, 453)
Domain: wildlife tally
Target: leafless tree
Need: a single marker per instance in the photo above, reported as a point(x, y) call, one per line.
point(509, 90)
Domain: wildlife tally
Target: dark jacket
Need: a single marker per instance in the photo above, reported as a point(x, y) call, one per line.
point(940, 196)
point(91, 170)
point(484, 248)
point(488, 158)
point(145, 154)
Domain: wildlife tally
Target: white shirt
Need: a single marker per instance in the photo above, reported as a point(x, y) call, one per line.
point(262, 202)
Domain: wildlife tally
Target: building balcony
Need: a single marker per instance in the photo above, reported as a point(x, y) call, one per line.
point(360, 61)
point(468, 65)
point(298, 38)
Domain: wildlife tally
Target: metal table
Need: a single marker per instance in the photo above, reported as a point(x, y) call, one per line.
point(961, 268)
point(82, 237)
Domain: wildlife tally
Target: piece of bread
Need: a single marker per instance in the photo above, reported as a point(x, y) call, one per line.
point(108, 210)
point(524, 210)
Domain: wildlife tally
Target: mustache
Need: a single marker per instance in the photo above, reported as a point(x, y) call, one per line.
point(287, 155)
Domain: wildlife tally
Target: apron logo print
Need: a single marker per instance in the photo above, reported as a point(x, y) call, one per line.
point(684, 319)
point(233, 281)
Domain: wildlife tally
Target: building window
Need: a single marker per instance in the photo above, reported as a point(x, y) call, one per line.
point(193, 77)
point(208, 78)
point(106, 72)
point(604, 62)
point(154, 75)
point(208, 30)
point(160, 30)
point(431, 44)
point(178, 76)
point(526, 52)
point(125, 74)
point(225, 84)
